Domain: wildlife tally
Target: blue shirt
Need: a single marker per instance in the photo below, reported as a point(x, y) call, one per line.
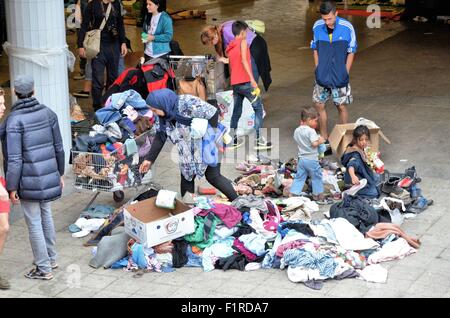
point(331, 72)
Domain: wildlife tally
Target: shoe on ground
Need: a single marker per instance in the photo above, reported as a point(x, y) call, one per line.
point(188, 198)
point(262, 144)
point(36, 273)
point(391, 186)
point(82, 94)
point(4, 284)
point(237, 142)
point(322, 200)
point(79, 77)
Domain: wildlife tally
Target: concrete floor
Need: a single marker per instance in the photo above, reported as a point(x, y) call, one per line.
point(400, 80)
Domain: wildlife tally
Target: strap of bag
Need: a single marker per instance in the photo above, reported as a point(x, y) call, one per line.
point(108, 11)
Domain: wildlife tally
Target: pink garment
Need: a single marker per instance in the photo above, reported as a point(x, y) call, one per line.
point(241, 248)
point(229, 215)
point(289, 246)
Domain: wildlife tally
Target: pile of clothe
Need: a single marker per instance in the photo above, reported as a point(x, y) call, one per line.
point(109, 156)
point(91, 220)
point(266, 178)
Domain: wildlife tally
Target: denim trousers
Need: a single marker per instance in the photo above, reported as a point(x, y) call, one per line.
point(305, 168)
point(41, 231)
point(240, 92)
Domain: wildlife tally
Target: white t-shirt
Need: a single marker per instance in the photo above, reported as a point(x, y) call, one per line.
point(305, 136)
point(151, 30)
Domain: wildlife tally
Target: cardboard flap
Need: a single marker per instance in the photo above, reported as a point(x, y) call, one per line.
point(384, 137)
point(336, 135)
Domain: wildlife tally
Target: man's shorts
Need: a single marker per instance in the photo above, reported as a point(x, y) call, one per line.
point(341, 96)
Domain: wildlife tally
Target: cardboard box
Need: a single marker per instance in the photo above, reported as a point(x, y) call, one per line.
point(342, 135)
point(151, 225)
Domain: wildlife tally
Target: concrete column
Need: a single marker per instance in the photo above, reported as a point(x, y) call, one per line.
point(37, 47)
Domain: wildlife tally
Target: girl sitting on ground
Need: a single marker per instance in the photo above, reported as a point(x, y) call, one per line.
point(355, 161)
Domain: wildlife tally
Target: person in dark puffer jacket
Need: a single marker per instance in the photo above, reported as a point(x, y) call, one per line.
point(34, 166)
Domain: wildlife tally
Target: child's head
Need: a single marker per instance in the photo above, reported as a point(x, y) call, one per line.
point(361, 137)
point(239, 29)
point(310, 117)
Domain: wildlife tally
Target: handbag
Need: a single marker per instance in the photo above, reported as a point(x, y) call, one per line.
point(92, 39)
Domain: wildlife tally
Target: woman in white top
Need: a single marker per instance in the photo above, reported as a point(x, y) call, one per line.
point(158, 30)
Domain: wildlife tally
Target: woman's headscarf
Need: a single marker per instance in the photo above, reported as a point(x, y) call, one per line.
point(167, 101)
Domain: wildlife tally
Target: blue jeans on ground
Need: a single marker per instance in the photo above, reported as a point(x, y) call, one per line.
point(41, 231)
point(240, 92)
point(311, 168)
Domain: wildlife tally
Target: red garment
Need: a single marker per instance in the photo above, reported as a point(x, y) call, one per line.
point(229, 215)
point(382, 230)
point(5, 205)
point(241, 248)
point(237, 70)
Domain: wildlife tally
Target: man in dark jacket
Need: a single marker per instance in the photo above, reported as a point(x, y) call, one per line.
point(112, 44)
point(34, 166)
point(334, 46)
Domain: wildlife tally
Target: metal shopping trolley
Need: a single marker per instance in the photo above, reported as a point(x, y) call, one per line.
point(205, 67)
point(113, 171)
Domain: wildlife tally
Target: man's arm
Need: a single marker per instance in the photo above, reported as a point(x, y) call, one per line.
point(316, 58)
point(350, 58)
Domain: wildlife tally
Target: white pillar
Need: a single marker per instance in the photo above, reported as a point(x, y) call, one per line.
point(37, 42)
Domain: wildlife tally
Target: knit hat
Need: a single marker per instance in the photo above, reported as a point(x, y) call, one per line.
point(23, 84)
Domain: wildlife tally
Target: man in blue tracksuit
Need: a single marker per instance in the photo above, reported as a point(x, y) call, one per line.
point(334, 46)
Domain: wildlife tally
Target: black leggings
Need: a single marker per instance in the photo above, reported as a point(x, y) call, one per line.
point(217, 180)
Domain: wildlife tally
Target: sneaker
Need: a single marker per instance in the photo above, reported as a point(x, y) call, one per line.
point(322, 200)
point(79, 77)
point(188, 198)
point(390, 186)
point(237, 142)
point(354, 189)
point(4, 284)
point(36, 273)
point(82, 94)
point(262, 144)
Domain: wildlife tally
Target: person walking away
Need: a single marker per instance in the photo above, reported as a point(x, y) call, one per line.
point(244, 85)
point(34, 156)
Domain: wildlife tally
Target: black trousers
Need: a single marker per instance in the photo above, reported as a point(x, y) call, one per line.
point(107, 58)
point(216, 179)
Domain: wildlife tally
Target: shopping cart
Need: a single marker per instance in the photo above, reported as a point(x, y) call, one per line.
point(113, 171)
point(203, 66)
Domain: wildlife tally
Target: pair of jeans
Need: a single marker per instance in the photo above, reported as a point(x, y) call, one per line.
point(305, 168)
point(241, 91)
point(107, 58)
point(215, 178)
point(41, 231)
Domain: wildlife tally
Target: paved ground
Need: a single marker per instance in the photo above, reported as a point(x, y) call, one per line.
point(400, 80)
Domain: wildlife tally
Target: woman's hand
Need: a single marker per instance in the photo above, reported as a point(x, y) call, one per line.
point(145, 166)
point(254, 84)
